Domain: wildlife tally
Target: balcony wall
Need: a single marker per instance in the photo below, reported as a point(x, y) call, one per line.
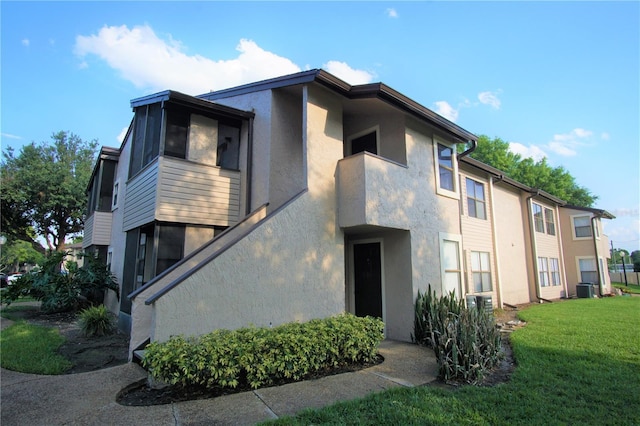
point(372, 191)
point(97, 229)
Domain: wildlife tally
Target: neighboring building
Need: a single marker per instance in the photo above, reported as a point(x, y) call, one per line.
point(586, 247)
point(302, 197)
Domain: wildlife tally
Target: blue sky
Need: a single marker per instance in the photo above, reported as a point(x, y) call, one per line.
point(554, 79)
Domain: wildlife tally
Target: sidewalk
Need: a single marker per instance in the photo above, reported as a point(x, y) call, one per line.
point(89, 398)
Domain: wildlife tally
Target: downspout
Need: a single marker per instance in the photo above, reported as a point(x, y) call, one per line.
point(534, 246)
point(474, 145)
point(249, 166)
point(494, 232)
point(595, 246)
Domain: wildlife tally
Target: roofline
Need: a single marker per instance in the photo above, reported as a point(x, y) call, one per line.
point(598, 212)
point(106, 153)
point(500, 174)
point(363, 91)
point(191, 101)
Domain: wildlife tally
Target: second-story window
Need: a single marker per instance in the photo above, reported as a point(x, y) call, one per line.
point(538, 219)
point(445, 167)
point(175, 141)
point(582, 226)
point(549, 221)
point(146, 136)
point(228, 152)
point(475, 199)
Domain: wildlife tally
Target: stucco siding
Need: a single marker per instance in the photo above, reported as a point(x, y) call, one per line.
point(140, 198)
point(197, 194)
point(203, 140)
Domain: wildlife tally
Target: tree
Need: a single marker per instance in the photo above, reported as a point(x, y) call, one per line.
point(45, 187)
point(18, 253)
point(635, 258)
point(557, 181)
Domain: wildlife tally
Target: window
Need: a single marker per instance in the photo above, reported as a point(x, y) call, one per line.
point(543, 271)
point(445, 167)
point(114, 201)
point(170, 246)
point(481, 271)
point(582, 226)
point(450, 264)
point(554, 268)
point(549, 221)
point(228, 153)
point(475, 199)
point(146, 136)
point(538, 220)
point(588, 270)
point(175, 143)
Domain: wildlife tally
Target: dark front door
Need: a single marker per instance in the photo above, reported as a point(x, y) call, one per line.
point(367, 279)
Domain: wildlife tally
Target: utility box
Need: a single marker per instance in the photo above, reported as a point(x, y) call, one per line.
point(485, 302)
point(471, 301)
point(584, 290)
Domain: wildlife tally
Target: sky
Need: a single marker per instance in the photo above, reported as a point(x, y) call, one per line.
point(554, 79)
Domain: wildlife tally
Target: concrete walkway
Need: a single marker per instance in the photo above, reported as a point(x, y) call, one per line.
point(89, 398)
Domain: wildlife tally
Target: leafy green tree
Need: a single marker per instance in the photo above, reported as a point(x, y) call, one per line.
point(557, 181)
point(18, 253)
point(44, 186)
point(635, 258)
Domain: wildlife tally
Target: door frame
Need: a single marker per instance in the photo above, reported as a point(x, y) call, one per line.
point(351, 287)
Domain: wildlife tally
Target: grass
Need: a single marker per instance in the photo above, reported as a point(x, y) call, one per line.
point(10, 311)
point(578, 363)
point(32, 349)
point(631, 288)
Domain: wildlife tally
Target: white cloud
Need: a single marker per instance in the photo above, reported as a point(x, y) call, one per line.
point(10, 136)
point(122, 134)
point(352, 76)
point(626, 212)
point(566, 144)
point(392, 13)
point(447, 111)
point(150, 62)
point(605, 136)
point(489, 98)
point(25, 42)
point(531, 151)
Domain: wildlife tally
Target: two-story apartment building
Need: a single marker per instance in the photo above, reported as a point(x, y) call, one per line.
point(302, 197)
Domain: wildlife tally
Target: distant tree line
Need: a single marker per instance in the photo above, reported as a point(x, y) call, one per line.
point(557, 181)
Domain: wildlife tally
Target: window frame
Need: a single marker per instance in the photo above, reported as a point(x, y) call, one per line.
point(549, 220)
point(483, 272)
point(457, 239)
point(543, 272)
point(554, 272)
point(580, 271)
point(475, 200)
point(538, 217)
point(574, 228)
point(451, 193)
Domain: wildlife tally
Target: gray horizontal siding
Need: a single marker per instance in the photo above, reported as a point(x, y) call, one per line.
point(97, 231)
point(140, 198)
point(197, 194)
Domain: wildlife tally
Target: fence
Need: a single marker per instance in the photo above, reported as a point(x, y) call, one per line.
point(618, 277)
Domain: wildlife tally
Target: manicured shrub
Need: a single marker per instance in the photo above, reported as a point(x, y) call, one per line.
point(263, 356)
point(96, 321)
point(466, 342)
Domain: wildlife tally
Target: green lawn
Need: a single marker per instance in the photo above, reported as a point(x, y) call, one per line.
point(32, 349)
point(631, 288)
point(578, 363)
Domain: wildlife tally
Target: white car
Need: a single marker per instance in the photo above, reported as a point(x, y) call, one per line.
point(12, 278)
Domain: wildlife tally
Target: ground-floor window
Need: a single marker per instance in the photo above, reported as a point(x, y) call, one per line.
point(588, 270)
point(554, 267)
point(450, 264)
point(481, 271)
point(543, 271)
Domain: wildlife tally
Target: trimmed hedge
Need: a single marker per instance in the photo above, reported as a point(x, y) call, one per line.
point(262, 356)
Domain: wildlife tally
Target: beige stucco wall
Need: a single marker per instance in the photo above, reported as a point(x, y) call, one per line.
point(203, 140)
point(289, 268)
point(511, 241)
point(549, 246)
point(575, 248)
